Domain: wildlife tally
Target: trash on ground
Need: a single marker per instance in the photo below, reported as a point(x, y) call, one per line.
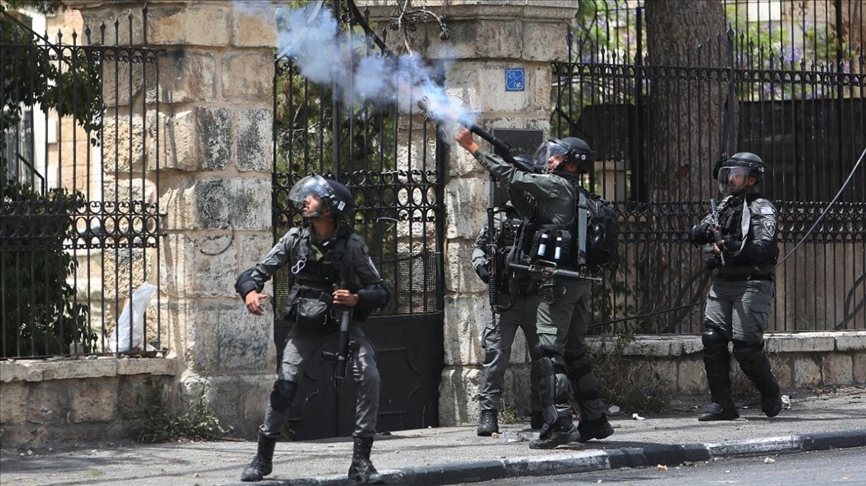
point(637, 417)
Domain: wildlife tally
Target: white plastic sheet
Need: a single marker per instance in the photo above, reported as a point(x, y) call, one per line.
point(132, 320)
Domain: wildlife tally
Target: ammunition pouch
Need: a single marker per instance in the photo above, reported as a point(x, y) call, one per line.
point(311, 310)
point(551, 242)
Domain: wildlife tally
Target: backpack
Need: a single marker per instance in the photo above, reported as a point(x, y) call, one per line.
point(601, 243)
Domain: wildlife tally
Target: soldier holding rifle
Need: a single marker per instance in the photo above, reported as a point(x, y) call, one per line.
point(562, 314)
point(318, 303)
point(739, 240)
point(511, 310)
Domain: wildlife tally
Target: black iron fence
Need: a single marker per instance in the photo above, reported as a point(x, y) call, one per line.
point(79, 216)
point(786, 80)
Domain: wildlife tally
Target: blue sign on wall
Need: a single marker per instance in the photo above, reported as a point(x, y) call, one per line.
point(514, 79)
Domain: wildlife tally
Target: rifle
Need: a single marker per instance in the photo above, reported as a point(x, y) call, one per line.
point(497, 254)
point(500, 147)
point(492, 249)
point(345, 348)
point(541, 271)
point(717, 230)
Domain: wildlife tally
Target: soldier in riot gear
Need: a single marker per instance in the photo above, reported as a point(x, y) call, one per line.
point(318, 254)
point(562, 314)
point(740, 246)
point(517, 312)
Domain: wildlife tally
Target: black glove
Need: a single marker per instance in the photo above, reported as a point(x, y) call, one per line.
point(701, 234)
point(482, 272)
point(731, 245)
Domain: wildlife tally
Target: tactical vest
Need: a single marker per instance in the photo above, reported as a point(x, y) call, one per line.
point(314, 281)
point(589, 240)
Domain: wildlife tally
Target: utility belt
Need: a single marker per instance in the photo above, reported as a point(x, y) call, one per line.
point(733, 277)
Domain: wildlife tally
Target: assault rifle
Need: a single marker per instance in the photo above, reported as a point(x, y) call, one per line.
point(497, 254)
point(539, 270)
point(500, 147)
point(345, 348)
point(717, 230)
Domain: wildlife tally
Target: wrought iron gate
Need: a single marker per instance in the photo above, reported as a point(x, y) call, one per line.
point(794, 85)
point(393, 164)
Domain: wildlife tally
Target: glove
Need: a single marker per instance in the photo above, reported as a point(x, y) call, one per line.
point(482, 272)
point(701, 234)
point(731, 245)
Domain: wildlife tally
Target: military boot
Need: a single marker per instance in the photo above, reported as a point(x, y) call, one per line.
point(717, 363)
point(489, 423)
point(262, 464)
point(756, 366)
point(598, 429)
point(562, 432)
point(362, 469)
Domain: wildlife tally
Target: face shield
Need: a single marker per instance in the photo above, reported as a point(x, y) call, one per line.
point(733, 180)
point(548, 156)
point(312, 185)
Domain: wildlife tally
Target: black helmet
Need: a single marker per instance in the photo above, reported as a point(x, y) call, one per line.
point(334, 196)
point(575, 150)
point(740, 166)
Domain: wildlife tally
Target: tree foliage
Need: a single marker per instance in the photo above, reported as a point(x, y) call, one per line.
point(63, 78)
point(41, 315)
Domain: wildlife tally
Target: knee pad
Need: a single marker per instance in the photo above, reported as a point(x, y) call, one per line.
point(744, 351)
point(282, 394)
point(711, 338)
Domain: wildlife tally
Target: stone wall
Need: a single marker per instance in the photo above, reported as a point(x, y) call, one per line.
point(799, 360)
point(45, 402)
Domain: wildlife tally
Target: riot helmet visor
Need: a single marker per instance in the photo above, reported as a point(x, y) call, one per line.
point(549, 155)
point(311, 186)
point(733, 180)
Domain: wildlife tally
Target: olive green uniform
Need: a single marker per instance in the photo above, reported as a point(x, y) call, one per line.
point(562, 318)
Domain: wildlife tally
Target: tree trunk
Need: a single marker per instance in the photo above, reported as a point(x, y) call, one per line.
point(687, 106)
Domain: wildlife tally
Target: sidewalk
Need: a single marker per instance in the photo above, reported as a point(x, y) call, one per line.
point(450, 455)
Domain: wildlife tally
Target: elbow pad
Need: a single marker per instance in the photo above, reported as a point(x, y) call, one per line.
point(374, 296)
point(245, 283)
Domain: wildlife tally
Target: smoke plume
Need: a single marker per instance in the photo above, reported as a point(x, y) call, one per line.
point(327, 56)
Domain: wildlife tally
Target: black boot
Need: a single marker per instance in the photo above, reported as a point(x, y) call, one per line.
point(362, 469)
point(714, 412)
point(599, 429)
point(489, 423)
point(562, 432)
point(262, 464)
point(717, 363)
point(756, 366)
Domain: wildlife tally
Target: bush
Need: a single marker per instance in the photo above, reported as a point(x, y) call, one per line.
point(39, 312)
point(161, 424)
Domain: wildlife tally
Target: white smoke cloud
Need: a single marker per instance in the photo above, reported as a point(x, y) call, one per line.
point(327, 56)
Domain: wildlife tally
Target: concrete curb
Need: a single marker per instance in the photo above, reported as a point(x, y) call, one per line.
point(594, 460)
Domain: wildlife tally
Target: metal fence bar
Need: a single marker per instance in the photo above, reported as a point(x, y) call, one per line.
point(78, 244)
point(799, 84)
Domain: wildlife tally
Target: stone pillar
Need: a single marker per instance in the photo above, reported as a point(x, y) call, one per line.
point(216, 158)
point(487, 36)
